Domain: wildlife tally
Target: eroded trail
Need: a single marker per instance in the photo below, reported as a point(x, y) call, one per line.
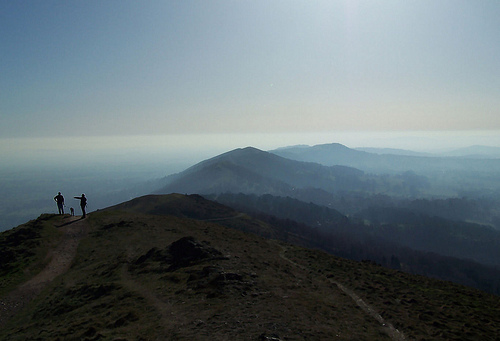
point(164, 309)
point(61, 258)
point(387, 327)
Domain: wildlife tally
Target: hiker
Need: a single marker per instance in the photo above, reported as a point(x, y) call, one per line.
point(60, 202)
point(83, 203)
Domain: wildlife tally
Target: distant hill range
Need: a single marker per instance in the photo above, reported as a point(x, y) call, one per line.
point(477, 159)
point(324, 173)
point(386, 228)
point(392, 151)
point(250, 170)
point(475, 152)
point(253, 171)
point(180, 267)
point(479, 152)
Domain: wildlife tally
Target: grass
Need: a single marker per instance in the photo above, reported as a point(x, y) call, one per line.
point(24, 250)
point(251, 288)
point(424, 308)
point(248, 292)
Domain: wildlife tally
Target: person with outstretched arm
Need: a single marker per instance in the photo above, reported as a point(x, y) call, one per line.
point(60, 202)
point(83, 204)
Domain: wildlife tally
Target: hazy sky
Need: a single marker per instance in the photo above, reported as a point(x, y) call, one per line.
point(162, 67)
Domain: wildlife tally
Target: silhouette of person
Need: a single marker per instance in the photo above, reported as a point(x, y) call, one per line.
point(60, 202)
point(83, 204)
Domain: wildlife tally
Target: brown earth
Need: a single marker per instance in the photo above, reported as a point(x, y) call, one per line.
point(74, 229)
point(170, 314)
point(120, 275)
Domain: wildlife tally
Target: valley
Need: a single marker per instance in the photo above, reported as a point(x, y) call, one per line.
point(180, 267)
point(397, 224)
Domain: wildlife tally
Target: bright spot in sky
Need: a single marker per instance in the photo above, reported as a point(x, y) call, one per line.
point(161, 68)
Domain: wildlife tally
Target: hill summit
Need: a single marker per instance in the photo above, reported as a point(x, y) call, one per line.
point(253, 171)
point(180, 267)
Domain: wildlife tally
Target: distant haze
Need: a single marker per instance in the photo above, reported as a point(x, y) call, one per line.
point(110, 169)
point(123, 67)
point(187, 149)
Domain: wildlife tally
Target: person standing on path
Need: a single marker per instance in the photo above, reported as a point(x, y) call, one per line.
point(60, 202)
point(83, 204)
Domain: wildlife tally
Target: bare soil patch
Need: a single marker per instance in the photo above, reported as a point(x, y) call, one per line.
point(61, 257)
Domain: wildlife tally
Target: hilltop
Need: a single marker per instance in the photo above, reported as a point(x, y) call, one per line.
point(180, 267)
point(250, 170)
point(380, 161)
point(383, 218)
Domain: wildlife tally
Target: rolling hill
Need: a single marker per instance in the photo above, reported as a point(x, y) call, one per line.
point(315, 173)
point(180, 267)
point(390, 162)
point(381, 227)
point(253, 171)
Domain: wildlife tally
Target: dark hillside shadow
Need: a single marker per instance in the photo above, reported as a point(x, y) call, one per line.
point(72, 221)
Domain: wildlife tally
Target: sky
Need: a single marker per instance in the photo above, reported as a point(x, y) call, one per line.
point(123, 68)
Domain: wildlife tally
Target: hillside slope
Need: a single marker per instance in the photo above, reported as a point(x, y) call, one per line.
point(253, 171)
point(166, 268)
point(338, 154)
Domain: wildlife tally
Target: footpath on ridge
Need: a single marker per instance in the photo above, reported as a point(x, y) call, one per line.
point(387, 327)
point(74, 229)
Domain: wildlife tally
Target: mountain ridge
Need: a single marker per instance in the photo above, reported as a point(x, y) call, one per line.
point(338, 154)
point(382, 214)
point(128, 281)
point(251, 169)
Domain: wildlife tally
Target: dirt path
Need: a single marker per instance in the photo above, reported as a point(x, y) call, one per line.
point(387, 327)
point(164, 309)
point(61, 257)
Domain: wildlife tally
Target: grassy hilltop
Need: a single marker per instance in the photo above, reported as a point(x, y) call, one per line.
point(179, 267)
